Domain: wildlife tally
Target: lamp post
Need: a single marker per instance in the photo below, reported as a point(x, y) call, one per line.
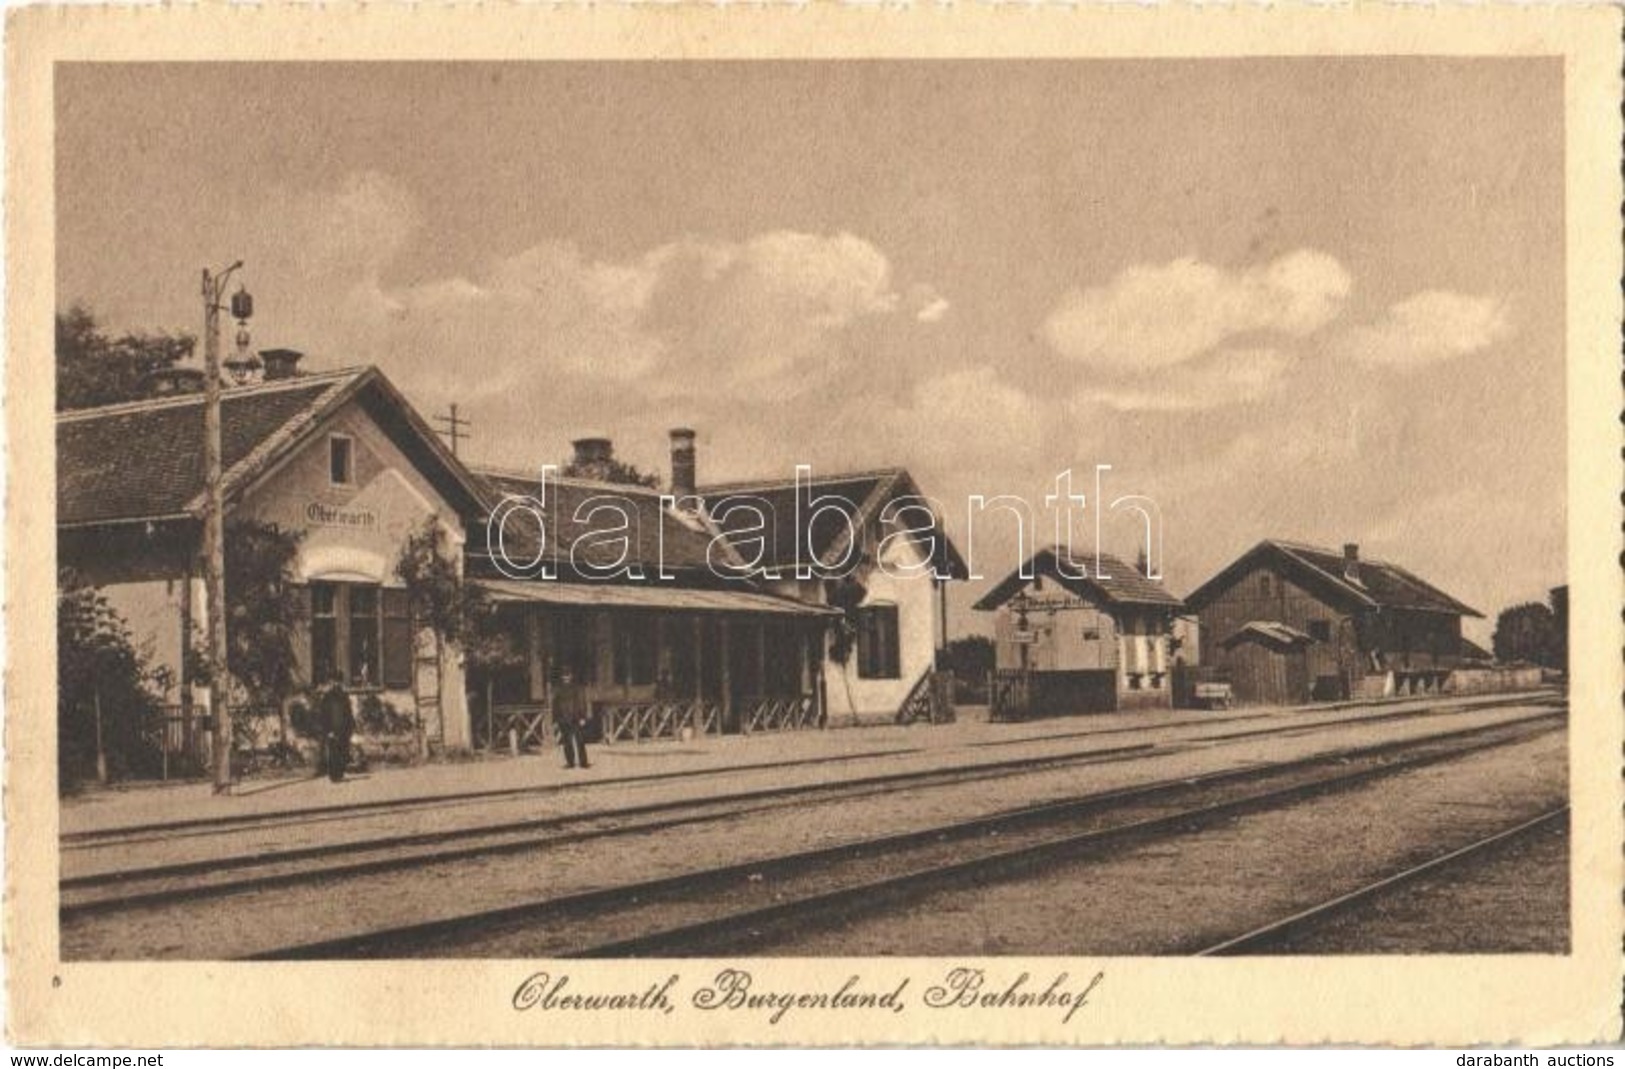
point(214, 530)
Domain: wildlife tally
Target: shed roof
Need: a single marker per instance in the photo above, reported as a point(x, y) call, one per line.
point(1271, 632)
point(1380, 584)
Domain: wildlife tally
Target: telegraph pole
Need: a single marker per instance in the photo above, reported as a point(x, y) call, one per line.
point(454, 425)
point(214, 529)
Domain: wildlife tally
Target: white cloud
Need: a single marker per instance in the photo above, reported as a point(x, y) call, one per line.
point(355, 228)
point(968, 420)
point(927, 305)
point(1160, 315)
point(695, 316)
point(975, 399)
point(1427, 328)
point(1229, 377)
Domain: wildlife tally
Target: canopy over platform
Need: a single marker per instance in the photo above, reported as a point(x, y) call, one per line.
point(649, 596)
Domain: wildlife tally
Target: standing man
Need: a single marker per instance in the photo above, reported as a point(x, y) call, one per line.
point(338, 724)
point(570, 717)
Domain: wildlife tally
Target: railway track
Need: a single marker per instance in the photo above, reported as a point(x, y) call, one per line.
point(732, 907)
point(236, 823)
point(121, 889)
point(1272, 937)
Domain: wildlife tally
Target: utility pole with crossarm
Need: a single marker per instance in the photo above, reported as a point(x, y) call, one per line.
point(214, 529)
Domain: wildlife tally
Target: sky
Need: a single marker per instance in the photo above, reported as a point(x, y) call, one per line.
point(1312, 299)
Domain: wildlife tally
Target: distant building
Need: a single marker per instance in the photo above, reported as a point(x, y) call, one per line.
point(1086, 644)
point(1291, 623)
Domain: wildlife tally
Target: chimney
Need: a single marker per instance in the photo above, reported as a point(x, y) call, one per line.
point(280, 363)
point(682, 463)
point(1351, 562)
point(593, 458)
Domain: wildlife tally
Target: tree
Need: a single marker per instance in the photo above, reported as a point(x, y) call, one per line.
point(263, 612)
point(107, 692)
point(1527, 632)
point(609, 470)
point(95, 368)
point(1560, 626)
point(454, 611)
point(969, 658)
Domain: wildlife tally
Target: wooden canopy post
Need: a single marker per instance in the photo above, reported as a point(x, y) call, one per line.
point(727, 671)
point(699, 658)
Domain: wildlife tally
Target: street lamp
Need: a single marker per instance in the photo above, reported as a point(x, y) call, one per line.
point(243, 363)
point(214, 531)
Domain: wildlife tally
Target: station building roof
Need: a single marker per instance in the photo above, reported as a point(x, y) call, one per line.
point(142, 461)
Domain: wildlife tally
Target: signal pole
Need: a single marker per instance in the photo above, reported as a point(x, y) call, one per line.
point(214, 530)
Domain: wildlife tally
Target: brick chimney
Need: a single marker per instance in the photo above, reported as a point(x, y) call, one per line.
point(280, 363)
point(1351, 562)
point(683, 475)
point(593, 458)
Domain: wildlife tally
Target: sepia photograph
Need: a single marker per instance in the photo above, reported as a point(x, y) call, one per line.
point(722, 515)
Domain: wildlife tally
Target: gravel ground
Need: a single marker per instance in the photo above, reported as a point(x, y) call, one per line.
point(253, 922)
point(1178, 895)
point(584, 796)
point(1513, 899)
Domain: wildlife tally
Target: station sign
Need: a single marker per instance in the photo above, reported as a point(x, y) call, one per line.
point(323, 515)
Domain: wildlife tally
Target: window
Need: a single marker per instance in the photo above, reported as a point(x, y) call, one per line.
point(877, 642)
point(340, 460)
point(364, 625)
point(1135, 681)
point(361, 633)
point(1320, 630)
point(635, 650)
point(398, 641)
point(574, 649)
point(1091, 634)
point(1264, 585)
point(324, 632)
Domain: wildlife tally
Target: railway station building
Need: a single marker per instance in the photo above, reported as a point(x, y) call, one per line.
point(1289, 623)
point(706, 624)
point(1065, 642)
point(686, 625)
point(338, 458)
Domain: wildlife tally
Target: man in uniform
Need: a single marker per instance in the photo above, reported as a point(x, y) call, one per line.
point(570, 717)
point(337, 721)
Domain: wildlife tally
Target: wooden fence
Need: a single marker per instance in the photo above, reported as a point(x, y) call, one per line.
point(769, 713)
point(643, 721)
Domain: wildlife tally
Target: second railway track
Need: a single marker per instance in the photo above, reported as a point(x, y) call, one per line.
point(730, 907)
